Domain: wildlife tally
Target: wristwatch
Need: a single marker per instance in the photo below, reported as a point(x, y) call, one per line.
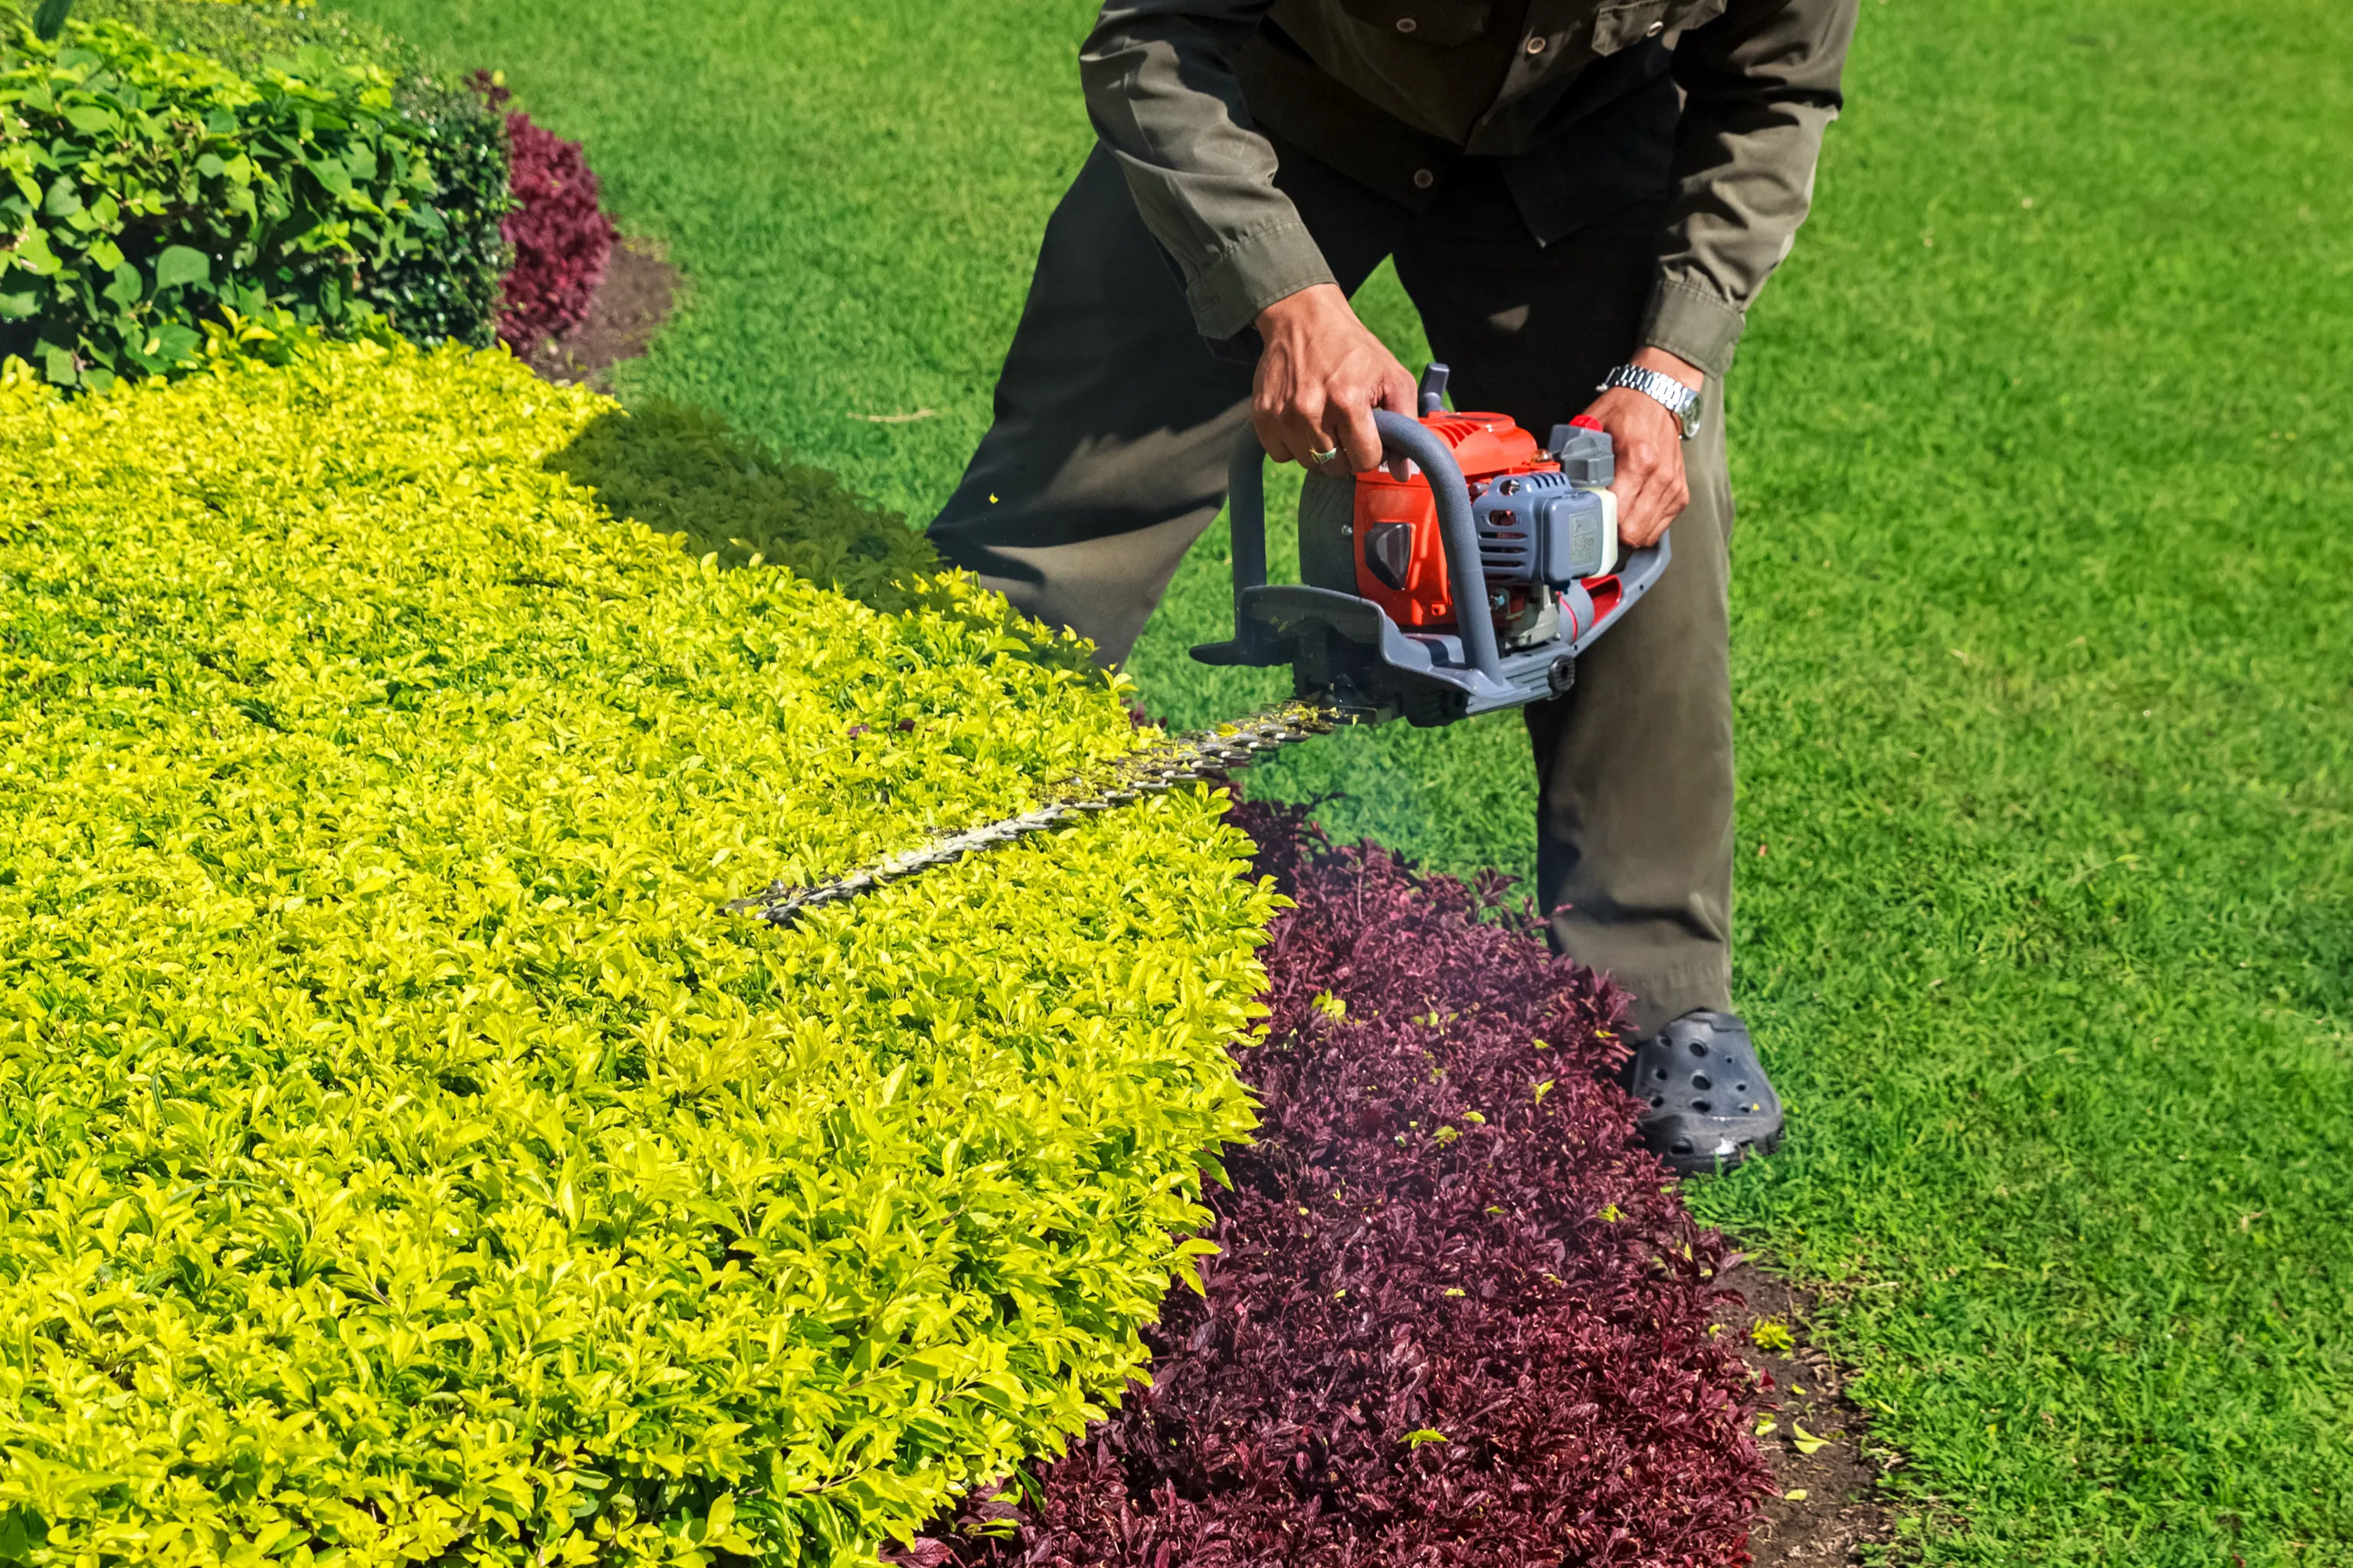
point(1664, 390)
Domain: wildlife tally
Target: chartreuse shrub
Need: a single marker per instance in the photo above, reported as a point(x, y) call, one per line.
point(680, 470)
point(403, 1157)
point(279, 167)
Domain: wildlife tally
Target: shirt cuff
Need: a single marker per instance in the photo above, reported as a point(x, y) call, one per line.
point(1693, 324)
point(1256, 271)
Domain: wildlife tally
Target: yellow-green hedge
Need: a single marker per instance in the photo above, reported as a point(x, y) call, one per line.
point(402, 1158)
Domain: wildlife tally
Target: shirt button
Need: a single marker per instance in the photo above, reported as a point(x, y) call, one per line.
point(1407, 24)
point(1423, 179)
point(1536, 46)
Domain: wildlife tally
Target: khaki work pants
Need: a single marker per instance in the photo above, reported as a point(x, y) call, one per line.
point(1107, 459)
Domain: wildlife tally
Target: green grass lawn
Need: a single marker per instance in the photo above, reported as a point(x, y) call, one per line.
point(2045, 644)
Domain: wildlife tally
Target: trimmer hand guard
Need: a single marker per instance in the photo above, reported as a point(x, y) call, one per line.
point(1348, 646)
point(1347, 649)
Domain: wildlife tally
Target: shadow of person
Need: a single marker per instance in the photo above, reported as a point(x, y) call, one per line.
point(682, 471)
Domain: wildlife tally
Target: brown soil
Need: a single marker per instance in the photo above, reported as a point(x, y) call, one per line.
point(639, 290)
point(1839, 1514)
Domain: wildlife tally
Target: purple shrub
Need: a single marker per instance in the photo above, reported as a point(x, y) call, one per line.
point(1458, 1319)
point(562, 239)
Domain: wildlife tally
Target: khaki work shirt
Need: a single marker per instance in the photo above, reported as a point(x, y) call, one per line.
point(1589, 105)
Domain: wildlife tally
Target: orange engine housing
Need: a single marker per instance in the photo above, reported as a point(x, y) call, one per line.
point(1487, 447)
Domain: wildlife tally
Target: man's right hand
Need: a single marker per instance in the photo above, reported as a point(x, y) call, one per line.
point(1320, 376)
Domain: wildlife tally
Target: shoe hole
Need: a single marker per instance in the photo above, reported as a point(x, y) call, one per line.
point(1699, 1050)
point(1740, 1089)
point(1705, 1107)
point(1683, 1145)
point(1661, 1075)
point(1658, 1100)
point(1700, 1080)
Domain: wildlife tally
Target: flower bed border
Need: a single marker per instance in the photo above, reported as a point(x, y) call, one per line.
point(1458, 1319)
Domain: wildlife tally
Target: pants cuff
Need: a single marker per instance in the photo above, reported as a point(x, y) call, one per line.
point(1663, 997)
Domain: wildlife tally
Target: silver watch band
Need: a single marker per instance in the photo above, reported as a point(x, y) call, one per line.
point(1664, 390)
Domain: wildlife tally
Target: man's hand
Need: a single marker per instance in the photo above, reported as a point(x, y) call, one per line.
point(1319, 379)
point(1650, 489)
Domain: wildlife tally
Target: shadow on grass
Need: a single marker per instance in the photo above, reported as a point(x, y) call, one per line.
point(683, 471)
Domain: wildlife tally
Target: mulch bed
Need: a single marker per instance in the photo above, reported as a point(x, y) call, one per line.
point(1822, 1507)
point(639, 289)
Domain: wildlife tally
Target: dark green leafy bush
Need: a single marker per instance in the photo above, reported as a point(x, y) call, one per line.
point(449, 290)
point(403, 1156)
point(144, 189)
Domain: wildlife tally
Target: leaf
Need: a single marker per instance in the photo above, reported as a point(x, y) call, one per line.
point(178, 266)
point(936, 1363)
point(1805, 1442)
point(176, 343)
point(1795, 1494)
point(50, 19)
point(126, 287)
point(17, 1533)
point(1422, 1436)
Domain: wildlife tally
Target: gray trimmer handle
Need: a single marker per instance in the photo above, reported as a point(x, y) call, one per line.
point(1635, 574)
point(1400, 438)
point(1246, 518)
point(1466, 573)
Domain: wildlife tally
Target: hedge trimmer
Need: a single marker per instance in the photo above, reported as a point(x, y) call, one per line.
point(1374, 631)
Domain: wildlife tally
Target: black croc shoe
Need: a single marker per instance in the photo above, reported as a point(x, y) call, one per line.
point(1706, 1103)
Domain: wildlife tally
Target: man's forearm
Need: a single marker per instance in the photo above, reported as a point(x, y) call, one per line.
point(1163, 94)
point(1761, 84)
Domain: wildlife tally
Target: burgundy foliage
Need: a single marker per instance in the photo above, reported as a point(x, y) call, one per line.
point(562, 239)
point(1425, 1239)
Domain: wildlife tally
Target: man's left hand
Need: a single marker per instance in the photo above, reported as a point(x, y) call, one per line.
point(1650, 489)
